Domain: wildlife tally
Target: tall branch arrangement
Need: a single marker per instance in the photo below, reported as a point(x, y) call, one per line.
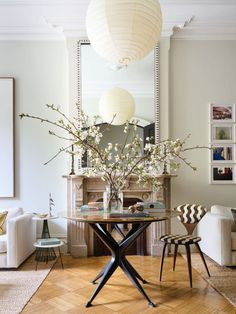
point(117, 161)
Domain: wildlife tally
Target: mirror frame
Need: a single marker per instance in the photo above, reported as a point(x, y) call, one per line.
point(156, 85)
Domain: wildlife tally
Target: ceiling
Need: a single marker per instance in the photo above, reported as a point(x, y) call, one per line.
point(59, 19)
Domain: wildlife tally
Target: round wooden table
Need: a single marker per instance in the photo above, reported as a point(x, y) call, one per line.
point(138, 223)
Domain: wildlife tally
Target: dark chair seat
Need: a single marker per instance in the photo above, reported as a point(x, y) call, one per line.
point(180, 239)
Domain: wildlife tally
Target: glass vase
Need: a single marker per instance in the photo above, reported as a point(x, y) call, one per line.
point(112, 200)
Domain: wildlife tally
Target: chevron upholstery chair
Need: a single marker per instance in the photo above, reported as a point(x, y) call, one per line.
point(189, 215)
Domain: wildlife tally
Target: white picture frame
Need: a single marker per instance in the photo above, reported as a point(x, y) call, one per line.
point(223, 174)
point(222, 113)
point(222, 153)
point(7, 137)
point(222, 133)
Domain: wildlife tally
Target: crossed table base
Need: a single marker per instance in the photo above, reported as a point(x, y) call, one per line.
point(118, 257)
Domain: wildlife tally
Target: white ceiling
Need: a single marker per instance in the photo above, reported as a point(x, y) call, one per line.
point(57, 19)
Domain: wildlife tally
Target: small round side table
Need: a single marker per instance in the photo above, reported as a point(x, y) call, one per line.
point(45, 253)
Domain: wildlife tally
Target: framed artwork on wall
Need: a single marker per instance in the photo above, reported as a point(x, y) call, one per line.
point(223, 174)
point(7, 137)
point(222, 113)
point(222, 133)
point(224, 153)
point(223, 143)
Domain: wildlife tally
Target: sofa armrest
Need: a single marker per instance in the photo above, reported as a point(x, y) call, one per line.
point(21, 235)
point(215, 231)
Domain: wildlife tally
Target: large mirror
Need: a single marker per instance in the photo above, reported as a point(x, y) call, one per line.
point(141, 79)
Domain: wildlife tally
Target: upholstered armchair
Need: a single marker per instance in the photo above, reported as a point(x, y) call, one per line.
point(19, 234)
point(218, 232)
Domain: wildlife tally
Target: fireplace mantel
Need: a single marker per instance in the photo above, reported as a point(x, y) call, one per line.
point(82, 189)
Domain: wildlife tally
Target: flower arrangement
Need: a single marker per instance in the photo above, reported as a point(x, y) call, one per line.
point(117, 161)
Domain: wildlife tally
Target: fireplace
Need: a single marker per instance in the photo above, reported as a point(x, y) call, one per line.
point(82, 189)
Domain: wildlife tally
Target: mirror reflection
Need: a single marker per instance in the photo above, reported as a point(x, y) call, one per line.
point(97, 77)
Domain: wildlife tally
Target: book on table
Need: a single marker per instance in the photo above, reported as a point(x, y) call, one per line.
point(48, 241)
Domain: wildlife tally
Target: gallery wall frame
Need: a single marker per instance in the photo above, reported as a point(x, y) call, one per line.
point(222, 113)
point(223, 174)
point(222, 133)
point(7, 112)
point(222, 122)
point(223, 153)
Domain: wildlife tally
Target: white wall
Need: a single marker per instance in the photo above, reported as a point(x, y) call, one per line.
point(40, 72)
point(201, 72)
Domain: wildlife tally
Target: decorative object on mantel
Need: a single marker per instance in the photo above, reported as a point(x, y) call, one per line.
point(72, 171)
point(121, 31)
point(116, 162)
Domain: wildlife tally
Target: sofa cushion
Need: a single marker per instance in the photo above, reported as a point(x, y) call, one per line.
point(12, 212)
point(3, 243)
point(224, 211)
point(3, 217)
point(233, 239)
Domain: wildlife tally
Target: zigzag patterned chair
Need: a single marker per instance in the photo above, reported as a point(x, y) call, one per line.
point(190, 215)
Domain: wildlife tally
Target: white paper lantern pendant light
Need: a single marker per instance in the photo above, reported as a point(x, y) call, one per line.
point(116, 106)
point(124, 31)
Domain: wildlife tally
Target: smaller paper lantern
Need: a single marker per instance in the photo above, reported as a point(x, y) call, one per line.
point(116, 106)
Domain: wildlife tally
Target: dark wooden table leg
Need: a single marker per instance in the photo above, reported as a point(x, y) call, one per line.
point(118, 257)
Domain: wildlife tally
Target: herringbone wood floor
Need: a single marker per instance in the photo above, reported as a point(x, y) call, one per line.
point(68, 290)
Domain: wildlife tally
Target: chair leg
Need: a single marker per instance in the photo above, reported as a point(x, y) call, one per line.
point(162, 259)
point(175, 255)
point(203, 259)
point(189, 264)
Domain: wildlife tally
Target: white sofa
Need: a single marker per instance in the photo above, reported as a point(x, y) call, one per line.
point(17, 243)
point(218, 232)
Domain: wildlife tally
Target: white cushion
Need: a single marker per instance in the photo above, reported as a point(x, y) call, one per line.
point(233, 239)
point(3, 243)
point(12, 212)
point(224, 211)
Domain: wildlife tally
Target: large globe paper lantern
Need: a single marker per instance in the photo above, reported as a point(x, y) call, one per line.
point(116, 106)
point(123, 31)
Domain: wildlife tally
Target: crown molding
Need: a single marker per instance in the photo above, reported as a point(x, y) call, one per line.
point(197, 2)
point(62, 19)
point(30, 33)
point(41, 3)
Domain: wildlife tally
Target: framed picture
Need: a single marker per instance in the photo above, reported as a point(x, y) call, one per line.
point(222, 113)
point(222, 133)
point(222, 153)
point(223, 174)
point(7, 137)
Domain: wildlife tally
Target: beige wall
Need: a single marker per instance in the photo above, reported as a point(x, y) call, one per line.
point(201, 72)
point(40, 72)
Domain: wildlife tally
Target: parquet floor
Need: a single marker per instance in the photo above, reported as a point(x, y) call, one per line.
point(67, 291)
